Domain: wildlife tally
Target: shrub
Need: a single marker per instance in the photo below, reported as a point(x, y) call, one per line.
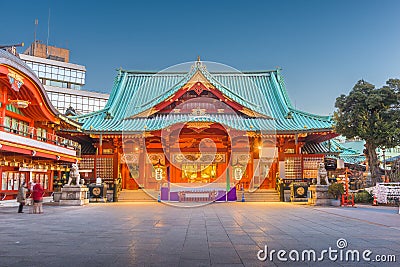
point(363, 197)
point(336, 190)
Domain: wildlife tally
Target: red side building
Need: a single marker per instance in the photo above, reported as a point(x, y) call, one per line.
point(30, 146)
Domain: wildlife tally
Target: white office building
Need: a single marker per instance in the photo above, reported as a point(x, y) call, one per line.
point(63, 82)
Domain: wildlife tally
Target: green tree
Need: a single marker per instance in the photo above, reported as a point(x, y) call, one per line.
point(371, 114)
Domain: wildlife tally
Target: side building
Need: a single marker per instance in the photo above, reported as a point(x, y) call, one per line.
point(31, 146)
point(62, 80)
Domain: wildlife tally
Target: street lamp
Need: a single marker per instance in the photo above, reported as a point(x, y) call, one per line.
point(158, 168)
point(238, 173)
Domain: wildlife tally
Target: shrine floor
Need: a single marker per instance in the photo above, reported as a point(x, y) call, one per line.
point(220, 234)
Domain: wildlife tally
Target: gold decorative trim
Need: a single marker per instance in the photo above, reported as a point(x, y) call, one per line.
point(198, 77)
point(147, 134)
point(251, 134)
point(154, 158)
point(199, 125)
point(198, 158)
point(248, 112)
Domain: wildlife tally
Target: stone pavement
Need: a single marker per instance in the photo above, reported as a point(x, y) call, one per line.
point(220, 234)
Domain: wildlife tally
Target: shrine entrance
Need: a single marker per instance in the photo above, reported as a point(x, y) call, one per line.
point(199, 173)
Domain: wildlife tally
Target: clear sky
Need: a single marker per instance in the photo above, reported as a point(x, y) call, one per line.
point(323, 47)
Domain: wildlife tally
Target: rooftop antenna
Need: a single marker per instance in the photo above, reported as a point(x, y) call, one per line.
point(34, 38)
point(48, 33)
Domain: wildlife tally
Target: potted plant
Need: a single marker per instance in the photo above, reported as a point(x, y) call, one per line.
point(336, 190)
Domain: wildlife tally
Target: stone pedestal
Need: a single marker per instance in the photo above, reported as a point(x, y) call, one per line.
point(286, 194)
point(74, 195)
point(319, 195)
point(56, 196)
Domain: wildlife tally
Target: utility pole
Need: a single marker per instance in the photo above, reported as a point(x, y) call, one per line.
point(34, 38)
point(48, 34)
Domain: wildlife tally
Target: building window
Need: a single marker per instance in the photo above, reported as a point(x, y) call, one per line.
point(7, 124)
point(12, 180)
point(16, 126)
point(75, 86)
point(41, 134)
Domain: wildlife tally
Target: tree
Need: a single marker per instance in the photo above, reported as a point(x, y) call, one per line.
point(372, 114)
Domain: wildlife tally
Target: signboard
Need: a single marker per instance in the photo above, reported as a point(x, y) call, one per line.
point(238, 173)
point(159, 174)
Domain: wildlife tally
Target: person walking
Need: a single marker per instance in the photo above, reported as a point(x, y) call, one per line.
point(37, 196)
point(21, 197)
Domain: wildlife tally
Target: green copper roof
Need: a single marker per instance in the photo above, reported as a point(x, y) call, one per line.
point(334, 149)
point(261, 92)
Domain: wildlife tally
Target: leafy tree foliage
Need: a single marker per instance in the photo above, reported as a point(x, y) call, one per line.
point(372, 114)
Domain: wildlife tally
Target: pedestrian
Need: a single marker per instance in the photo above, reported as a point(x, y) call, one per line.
point(37, 196)
point(21, 197)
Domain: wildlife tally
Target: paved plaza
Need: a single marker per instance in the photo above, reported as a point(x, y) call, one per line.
point(220, 234)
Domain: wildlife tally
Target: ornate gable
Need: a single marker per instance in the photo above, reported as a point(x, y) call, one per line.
point(198, 85)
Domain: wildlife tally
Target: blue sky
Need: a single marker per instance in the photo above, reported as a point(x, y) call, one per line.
point(323, 47)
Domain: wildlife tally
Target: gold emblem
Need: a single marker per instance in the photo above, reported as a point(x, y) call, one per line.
point(300, 191)
point(96, 191)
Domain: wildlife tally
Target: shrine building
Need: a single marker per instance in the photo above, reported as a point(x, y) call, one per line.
point(200, 130)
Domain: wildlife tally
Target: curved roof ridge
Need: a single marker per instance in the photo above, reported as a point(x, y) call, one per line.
point(89, 115)
point(116, 92)
point(282, 87)
point(18, 61)
point(150, 72)
point(343, 148)
point(304, 113)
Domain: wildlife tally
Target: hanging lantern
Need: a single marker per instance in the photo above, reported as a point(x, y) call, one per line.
point(3, 162)
point(14, 164)
point(158, 168)
point(237, 171)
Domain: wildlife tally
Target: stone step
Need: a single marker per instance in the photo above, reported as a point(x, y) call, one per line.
point(263, 195)
point(247, 199)
point(136, 195)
